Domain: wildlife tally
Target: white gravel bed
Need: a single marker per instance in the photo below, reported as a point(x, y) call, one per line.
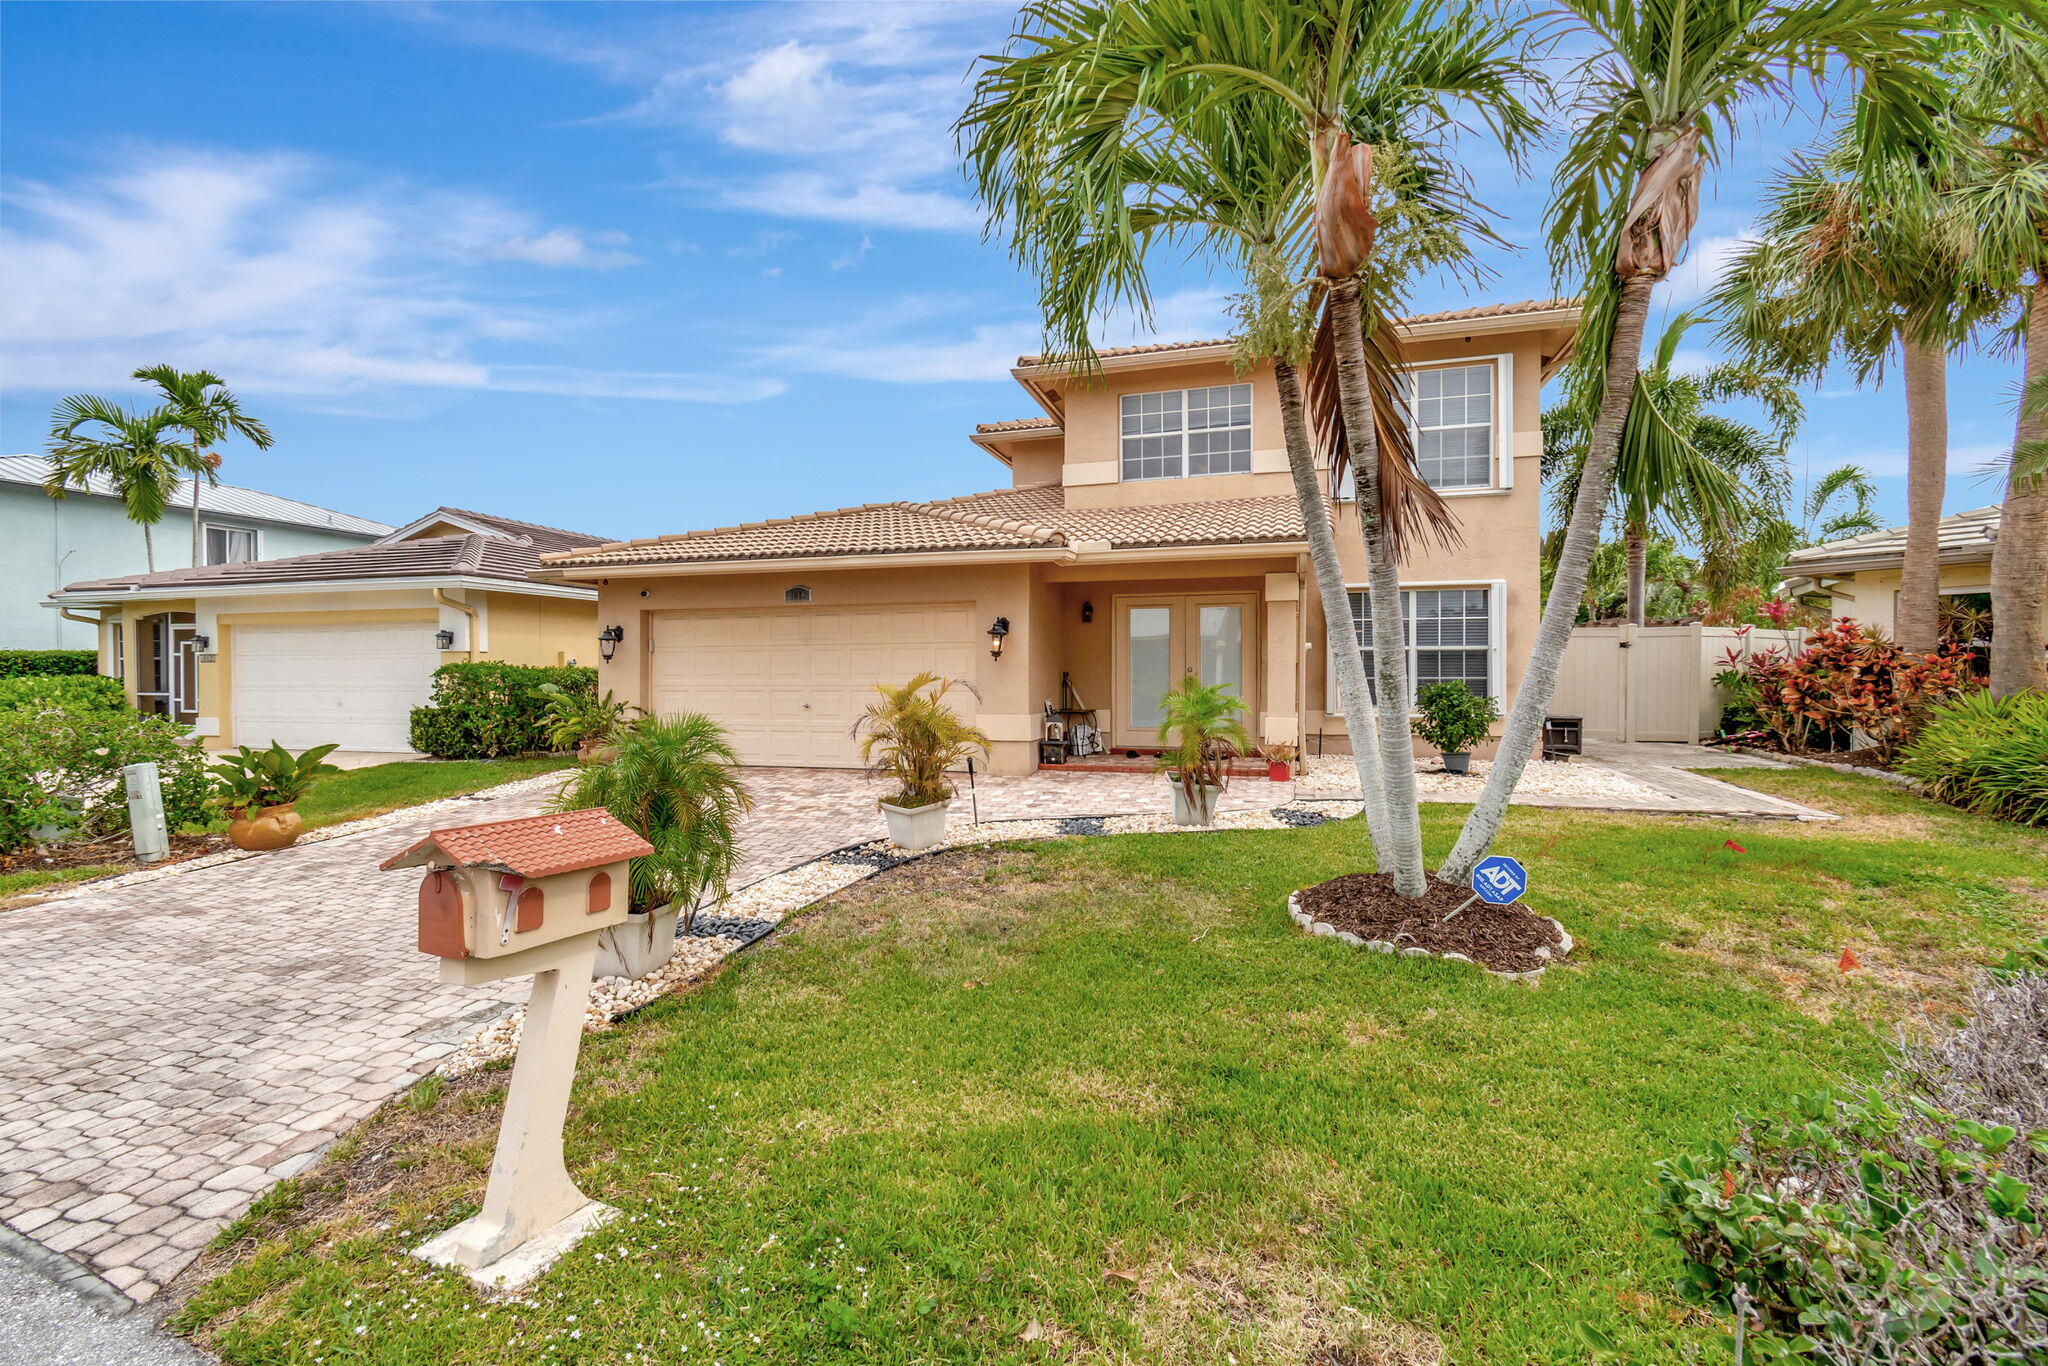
point(446, 805)
point(1336, 773)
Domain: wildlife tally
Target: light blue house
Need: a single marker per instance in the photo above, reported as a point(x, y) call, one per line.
point(48, 542)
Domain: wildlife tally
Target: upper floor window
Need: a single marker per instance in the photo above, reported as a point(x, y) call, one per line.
point(1187, 431)
point(1454, 426)
point(230, 545)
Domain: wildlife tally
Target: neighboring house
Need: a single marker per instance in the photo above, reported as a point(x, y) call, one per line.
point(1150, 531)
point(47, 542)
point(337, 647)
point(1861, 574)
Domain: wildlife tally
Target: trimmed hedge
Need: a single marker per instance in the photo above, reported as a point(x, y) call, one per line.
point(1986, 754)
point(60, 771)
point(90, 692)
point(29, 663)
point(485, 710)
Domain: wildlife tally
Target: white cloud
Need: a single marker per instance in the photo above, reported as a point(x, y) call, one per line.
point(271, 271)
point(1706, 261)
point(870, 203)
point(924, 340)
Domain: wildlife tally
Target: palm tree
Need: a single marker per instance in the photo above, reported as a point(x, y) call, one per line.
point(1826, 519)
point(1665, 81)
point(1337, 80)
point(1863, 254)
point(208, 413)
point(90, 436)
point(1698, 473)
point(2005, 192)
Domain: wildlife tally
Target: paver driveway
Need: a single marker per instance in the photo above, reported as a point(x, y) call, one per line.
point(170, 1048)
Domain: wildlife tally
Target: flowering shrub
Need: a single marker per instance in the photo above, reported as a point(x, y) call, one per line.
point(60, 768)
point(1846, 678)
point(1747, 606)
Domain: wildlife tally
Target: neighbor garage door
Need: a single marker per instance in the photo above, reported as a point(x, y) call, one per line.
point(789, 683)
point(353, 685)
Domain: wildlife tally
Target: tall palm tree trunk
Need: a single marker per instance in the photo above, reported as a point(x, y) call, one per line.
point(1636, 542)
point(1524, 726)
point(1383, 582)
point(2019, 558)
point(1917, 626)
point(1340, 638)
point(198, 536)
point(148, 549)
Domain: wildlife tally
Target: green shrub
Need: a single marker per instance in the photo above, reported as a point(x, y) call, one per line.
point(1987, 754)
point(1454, 718)
point(93, 692)
point(1900, 1224)
point(61, 766)
point(485, 710)
point(27, 663)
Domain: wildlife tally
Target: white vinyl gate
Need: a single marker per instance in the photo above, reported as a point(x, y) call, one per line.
point(1653, 682)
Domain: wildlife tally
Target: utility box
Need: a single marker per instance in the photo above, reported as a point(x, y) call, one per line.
point(507, 886)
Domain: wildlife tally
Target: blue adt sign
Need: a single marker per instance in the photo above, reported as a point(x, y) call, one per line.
point(1499, 880)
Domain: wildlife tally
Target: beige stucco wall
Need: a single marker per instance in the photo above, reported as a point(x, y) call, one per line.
point(1871, 596)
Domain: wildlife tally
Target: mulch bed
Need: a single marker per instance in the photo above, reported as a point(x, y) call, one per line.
point(1504, 938)
point(116, 851)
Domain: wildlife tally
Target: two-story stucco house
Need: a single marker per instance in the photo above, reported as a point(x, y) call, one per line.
point(1149, 530)
point(48, 542)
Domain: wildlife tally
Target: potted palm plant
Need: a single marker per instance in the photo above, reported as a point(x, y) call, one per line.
point(1453, 718)
point(1198, 739)
point(911, 738)
point(675, 781)
point(586, 723)
point(259, 790)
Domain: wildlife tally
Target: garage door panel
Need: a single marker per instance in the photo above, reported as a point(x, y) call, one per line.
point(353, 685)
point(789, 683)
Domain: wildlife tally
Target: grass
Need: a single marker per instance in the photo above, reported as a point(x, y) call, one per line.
point(346, 796)
point(1098, 1101)
point(358, 792)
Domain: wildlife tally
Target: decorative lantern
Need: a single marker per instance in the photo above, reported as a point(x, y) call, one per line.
point(608, 641)
point(996, 632)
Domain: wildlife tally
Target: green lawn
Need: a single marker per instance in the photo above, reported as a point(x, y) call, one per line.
point(346, 796)
point(1098, 1101)
point(360, 792)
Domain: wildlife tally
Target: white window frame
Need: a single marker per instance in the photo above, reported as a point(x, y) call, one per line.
point(206, 530)
point(117, 648)
point(1183, 433)
point(1503, 426)
point(1496, 641)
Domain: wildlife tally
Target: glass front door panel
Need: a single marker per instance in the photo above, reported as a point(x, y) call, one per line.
point(1221, 645)
point(1148, 651)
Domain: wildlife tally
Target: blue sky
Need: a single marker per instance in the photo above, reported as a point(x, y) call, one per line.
point(526, 258)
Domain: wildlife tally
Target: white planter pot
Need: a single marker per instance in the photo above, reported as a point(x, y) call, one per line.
point(1201, 811)
point(1457, 763)
point(639, 946)
point(917, 827)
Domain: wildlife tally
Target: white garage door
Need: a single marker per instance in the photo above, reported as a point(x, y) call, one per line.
point(789, 682)
point(353, 685)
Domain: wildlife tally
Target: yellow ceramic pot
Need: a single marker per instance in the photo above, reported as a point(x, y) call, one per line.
point(273, 827)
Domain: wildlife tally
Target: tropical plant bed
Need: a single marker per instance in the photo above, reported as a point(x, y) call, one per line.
point(1364, 910)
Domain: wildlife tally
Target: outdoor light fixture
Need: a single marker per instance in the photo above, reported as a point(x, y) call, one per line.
point(444, 640)
point(202, 643)
point(996, 633)
point(608, 641)
point(1087, 612)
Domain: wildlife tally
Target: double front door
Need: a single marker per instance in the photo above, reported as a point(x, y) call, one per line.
point(1164, 637)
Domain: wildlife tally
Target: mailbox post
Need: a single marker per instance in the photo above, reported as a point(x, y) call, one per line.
point(508, 899)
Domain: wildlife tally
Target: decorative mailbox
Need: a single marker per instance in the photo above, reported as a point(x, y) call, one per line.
point(504, 900)
point(503, 888)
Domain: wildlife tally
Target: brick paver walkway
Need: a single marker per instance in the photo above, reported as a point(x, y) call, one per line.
point(171, 1048)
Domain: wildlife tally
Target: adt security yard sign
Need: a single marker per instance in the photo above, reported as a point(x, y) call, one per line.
point(1499, 880)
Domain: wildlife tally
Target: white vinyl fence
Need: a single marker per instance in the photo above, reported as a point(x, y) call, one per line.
point(1654, 682)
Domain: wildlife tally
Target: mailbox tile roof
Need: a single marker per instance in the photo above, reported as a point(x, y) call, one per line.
point(535, 846)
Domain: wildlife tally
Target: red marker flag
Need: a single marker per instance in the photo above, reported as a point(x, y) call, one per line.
point(1731, 844)
point(1848, 963)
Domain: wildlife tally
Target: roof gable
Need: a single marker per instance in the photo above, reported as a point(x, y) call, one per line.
point(445, 521)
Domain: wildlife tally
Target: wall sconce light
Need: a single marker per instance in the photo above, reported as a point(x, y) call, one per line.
point(202, 644)
point(608, 641)
point(444, 640)
point(1087, 612)
point(996, 633)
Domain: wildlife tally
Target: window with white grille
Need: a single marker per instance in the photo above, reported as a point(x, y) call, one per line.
point(1451, 637)
point(1182, 432)
point(1454, 426)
